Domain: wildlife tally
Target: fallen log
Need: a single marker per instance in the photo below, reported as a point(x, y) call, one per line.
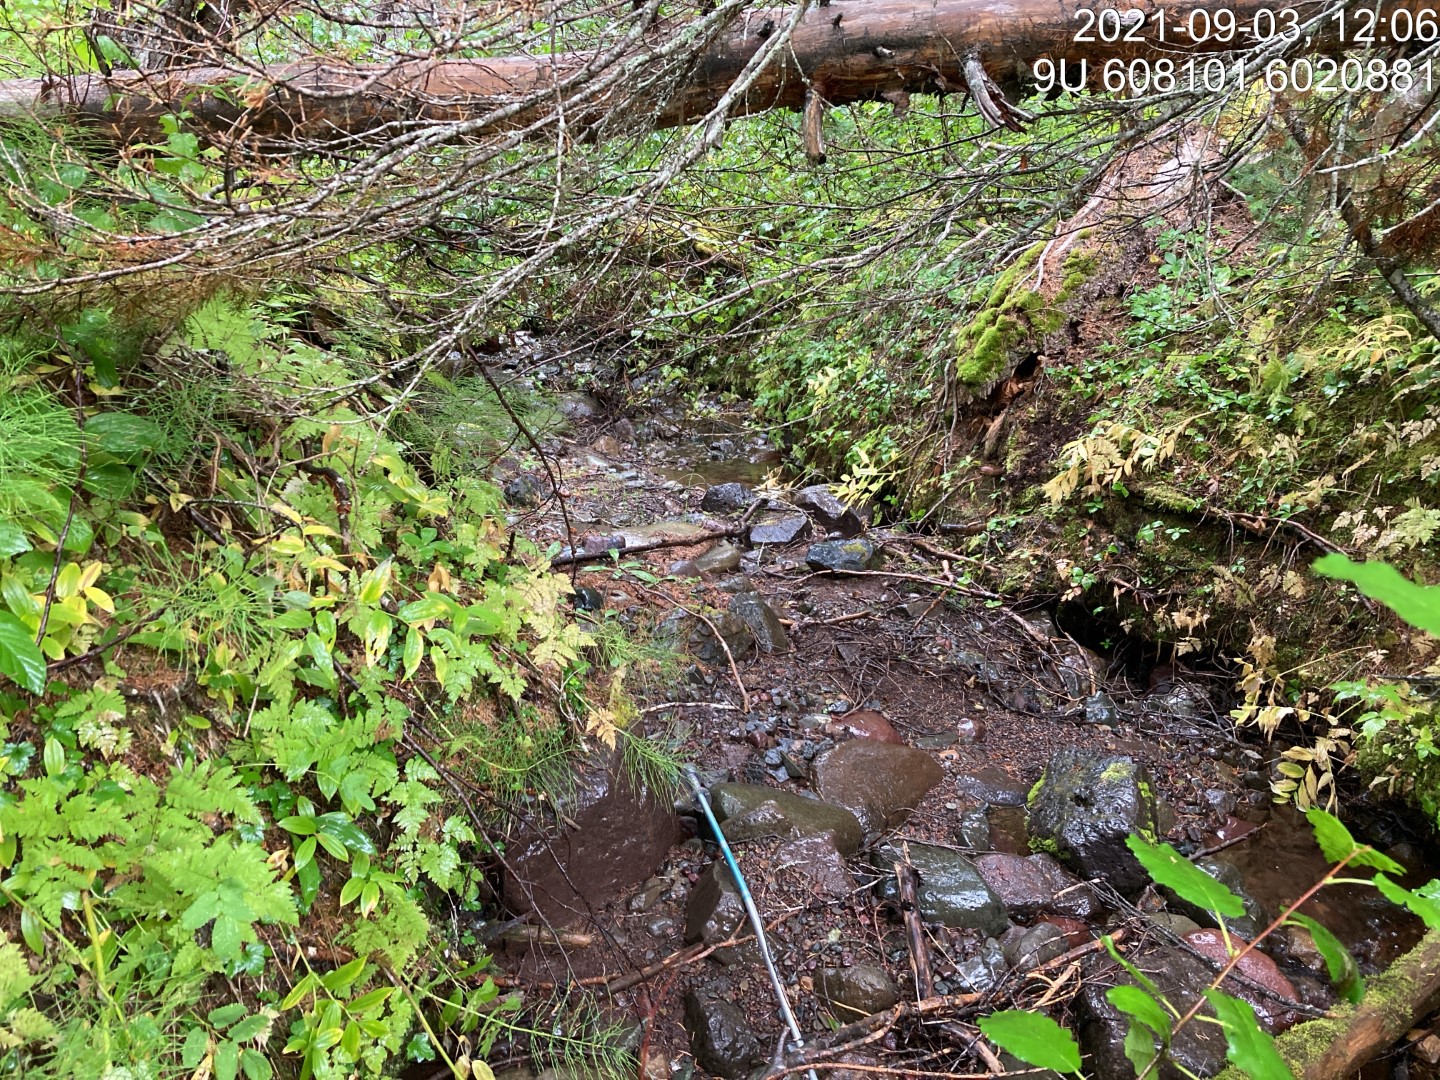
point(840, 53)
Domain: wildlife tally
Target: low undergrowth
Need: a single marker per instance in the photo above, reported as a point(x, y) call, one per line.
point(273, 659)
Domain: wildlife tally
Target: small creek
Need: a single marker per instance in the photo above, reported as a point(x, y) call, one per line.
point(990, 696)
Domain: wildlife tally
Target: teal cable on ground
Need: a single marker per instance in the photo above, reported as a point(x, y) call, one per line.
point(750, 911)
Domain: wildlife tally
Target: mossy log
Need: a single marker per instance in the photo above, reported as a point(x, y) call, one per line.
point(1336, 1046)
point(1033, 307)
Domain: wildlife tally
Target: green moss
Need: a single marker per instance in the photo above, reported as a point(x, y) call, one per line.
point(1013, 315)
point(1117, 770)
point(1034, 790)
point(1044, 845)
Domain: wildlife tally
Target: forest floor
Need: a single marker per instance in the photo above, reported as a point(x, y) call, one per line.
point(987, 687)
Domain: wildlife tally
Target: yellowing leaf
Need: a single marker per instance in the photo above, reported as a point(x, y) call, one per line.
point(101, 599)
point(287, 544)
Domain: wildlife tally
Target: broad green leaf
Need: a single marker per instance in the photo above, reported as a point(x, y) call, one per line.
point(1338, 961)
point(1168, 867)
point(299, 825)
point(226, 1015)
point(12, 540)
point(374, 583)
point(414, 651)
point(125, 434)
point(250, 1027)
point(1141, 1047)
point(308, 985)
point(255, 1065)
point(54, 757)
point(1428, 910)
point(1418, 605)
point(430, 606)
point(1248, 1046)
point(196, 1043)
point(227, 1061)
point(20, 657)
point(32, 931)
point(485, 621)
point(368, 1001)
point(1334, 838)
point(340, 827)
point(1135, 1002)
point(1336, 843)
point(1033, 1038)
point(344, 977)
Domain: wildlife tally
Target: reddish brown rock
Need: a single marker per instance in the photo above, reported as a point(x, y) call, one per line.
point(867, 724)
point(1255, 967)
point(1036, 884)
point(818, 863)
point(880, 783)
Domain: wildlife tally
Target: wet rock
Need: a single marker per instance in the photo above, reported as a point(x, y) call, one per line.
point(608, 446)
point(578, 406)
point(940, 741)
point(951, 892)
point(748, 812)
point(854, 554)
point(832, 514)
point(880, 783)
point(1180, 701)
point(969, 730)
point(648, 896)
point(1037, 884)
point(1249, 925)
point(1101, 709)
point(1084, 808)
point(720, 559)
point(1102, 1028)
point(764, 623)
point(523, 490)
point(586, 598)
point(623, 430)
point(857, 991)
point(819, 864)
point(696, 637)
point(1255, 967)
point(867, 724)
point(981, 973)
point(727, 498)
point(977, 664)
point(715, 910)
point(1294, 945)
point(720, 1036)
point(615, 838)
point(975, 829)
point(782, 529)
point(992, 786)
point(1179, 925)
point(1026, 950)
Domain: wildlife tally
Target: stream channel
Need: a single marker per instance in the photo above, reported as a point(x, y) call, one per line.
point(892, 722)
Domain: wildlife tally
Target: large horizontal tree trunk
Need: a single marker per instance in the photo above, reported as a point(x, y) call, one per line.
point(848, 51)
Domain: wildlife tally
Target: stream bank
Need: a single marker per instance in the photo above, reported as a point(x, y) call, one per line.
point(886, 715)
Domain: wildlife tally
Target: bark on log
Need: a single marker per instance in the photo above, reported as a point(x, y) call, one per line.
point(847, 51)
point(1339, 1045)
